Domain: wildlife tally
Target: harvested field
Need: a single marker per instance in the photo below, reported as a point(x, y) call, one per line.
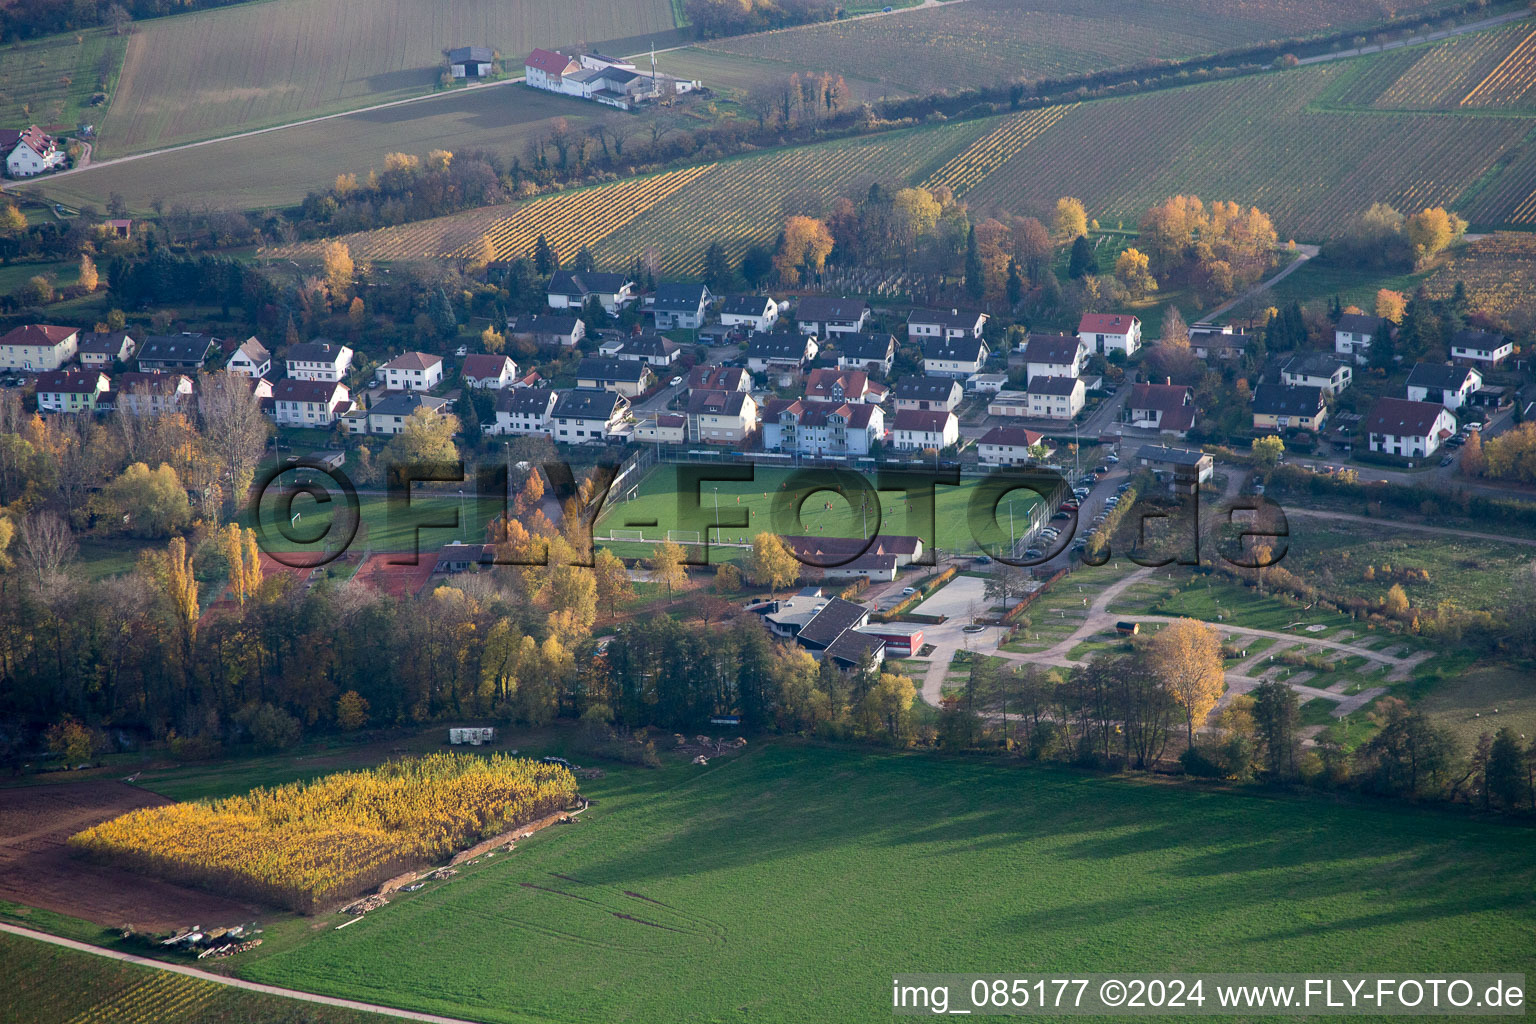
point(36, 868)
point(1499, 272)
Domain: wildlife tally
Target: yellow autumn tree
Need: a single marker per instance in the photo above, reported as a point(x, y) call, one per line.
point(1071, 219)
point(1186, 655)
point(1391, 305)
point(337, 260)
point(244, 558)
point(806, 245)
point(89, 279)
point(668, 565)
point(1133, 270)
point(770, 563)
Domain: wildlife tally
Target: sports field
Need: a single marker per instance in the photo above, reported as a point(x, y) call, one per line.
point(251, 65)
point(803, 502)
point(955, 46)
point(789, 883)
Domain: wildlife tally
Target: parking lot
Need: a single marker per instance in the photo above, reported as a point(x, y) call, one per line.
point(961, 598)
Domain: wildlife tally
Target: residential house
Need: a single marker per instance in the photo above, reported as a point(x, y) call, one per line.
point(680, 306)
point(629, 379)
point(30, 151)
point(749, 313)
point(829, 385)
point(1413, 430)
point(662, 428)
point(954, 357)
point(821, 428)
point(821, 316)
point(873, 353)
point(570, 289)
point(1187, 469)
point(490, 371)
point(1316, 370)
point(1056, 398)
point(1053, 355)
point(1167, 407)
point(587, 416)
point(721, 417)
point(929, 393)
point(321, 359)
point(546, 69)
point(471, 62)
point(105, 349)
point(1353, 334)
point(1010, 446)
point(546, 329)
point(1443, 384)
point(1277, 407)
point(917, 429)
point(152, 393)
point(719, 378)
point(524, 411)
point(651, 349)
point(413, 371)
point(1481, 348)
point(71, 390)
point(309, 403)
point(390, 414)
point(780, 351)
point(251, 359)
point(186, 351)
point(38, 347)
point(924, 325)
point(1218, 343)
point(1108, 333)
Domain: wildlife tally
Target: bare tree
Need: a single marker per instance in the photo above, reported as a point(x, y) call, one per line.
point(118, 17)
point(46, 545)
point(234, 428)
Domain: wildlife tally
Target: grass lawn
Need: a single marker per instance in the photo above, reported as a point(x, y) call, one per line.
point(385, 526)
point(1316, 283)
point(1479, 698)
point(765, 504)
point(50, 81)
point(104, 990)
point(796, 876)
point(61, 273)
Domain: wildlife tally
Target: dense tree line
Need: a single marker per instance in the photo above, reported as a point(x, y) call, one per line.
point(28, 19)
point(735, 17)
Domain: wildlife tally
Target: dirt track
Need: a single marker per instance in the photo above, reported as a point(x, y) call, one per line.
point(37, 870)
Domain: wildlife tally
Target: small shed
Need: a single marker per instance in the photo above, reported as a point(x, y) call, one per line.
point(1128, 628)
point(471, 62)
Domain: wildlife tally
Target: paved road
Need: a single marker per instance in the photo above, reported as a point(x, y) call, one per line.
point(1303, 254)
point(249, 986)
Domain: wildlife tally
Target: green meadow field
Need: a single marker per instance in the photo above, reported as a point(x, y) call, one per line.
point(791, 882)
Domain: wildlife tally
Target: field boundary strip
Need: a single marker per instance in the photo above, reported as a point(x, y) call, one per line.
point(162, 993)
point(217, 979)
point(993, 149)
point(574, 219)
point(1521, 59)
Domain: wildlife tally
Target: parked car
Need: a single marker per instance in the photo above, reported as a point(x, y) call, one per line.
point(1111, 459)
point(1062, 515)
point(908, 591)
point(674, 382)
point(1447, 460)
point(1033, 553)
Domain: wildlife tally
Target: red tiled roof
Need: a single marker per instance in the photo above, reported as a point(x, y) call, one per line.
point(1106, 323)
point(1400, 417)
point(37, 335)
point(548, 61)
point(932, 421)
point(69, 382)
point(413, 361)
point(484, 365)
point(1017, 437)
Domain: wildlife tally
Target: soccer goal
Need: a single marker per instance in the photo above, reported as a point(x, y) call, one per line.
point(683, 536)
point(623, 534)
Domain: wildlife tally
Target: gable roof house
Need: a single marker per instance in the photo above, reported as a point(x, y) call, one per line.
point(309, 403)
point(754, 312)
point(823, 316)
point(719, 378)
point(71, 390)
point(780, 351)
point(927, 393)
point(1056, 398)
point(1167, 407)
point(523, 411)
point(587, 416)
point(917, 429)
point(30, 151)
point(546, 69)
point(821, 428)
point(570, 289)
point(38, 347)
point(1412, 430)
point(413, 371)
point(680, 306)
point(626, 378)
point(1008, 446)
point(105, 349)
point(1353, 333)
point(1443, 384)
point(185, 351)
point(1481, 348)
point(321, 359)
point(947, 324)
point(721, 417)
point(1277, 407)
point(545, 329)
point(471, 62)
point(1187, 469)
point(1318, 370)
point(251, 359)
point(1106, 333)
point(490, 371)
point(870, 352)
point(150, 393)
point(662, 428)
point(1053, 355)
point(390, 414)
point(1218, 342)
point(651, 349)
point(954, 357)
point(829, 385)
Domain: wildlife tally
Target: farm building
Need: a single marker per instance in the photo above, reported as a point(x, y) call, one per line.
point(472, 62)
point(611, 81)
